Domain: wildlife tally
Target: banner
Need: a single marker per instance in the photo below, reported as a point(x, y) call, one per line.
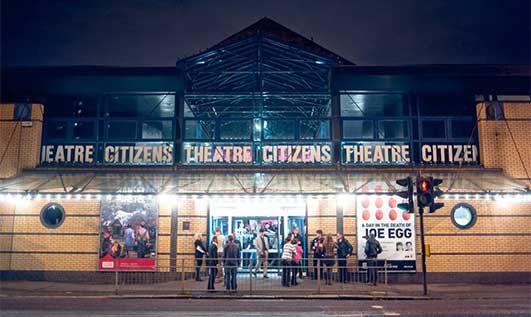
point(393, 228)
point(128, 234)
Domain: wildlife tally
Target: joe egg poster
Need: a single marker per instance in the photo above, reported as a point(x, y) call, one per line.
point(392, 227)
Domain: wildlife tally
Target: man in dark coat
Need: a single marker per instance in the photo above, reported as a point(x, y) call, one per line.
point(231, 261)
point(318, 254)
point(344, 250)
point(372, 249)
point(212, 263)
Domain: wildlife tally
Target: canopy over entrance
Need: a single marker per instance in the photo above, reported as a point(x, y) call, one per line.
point(253, 182)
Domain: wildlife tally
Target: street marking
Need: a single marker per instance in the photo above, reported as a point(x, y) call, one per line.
point(391, 314)
point(377, 307)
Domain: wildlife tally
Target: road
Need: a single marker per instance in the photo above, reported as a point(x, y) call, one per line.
point(41, 306)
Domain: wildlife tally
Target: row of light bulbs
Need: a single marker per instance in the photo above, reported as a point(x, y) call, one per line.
point(520, 197)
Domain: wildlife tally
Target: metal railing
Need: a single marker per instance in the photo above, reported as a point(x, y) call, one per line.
point(315, 276)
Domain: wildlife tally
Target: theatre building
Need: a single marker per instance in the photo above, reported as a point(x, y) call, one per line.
point(264, 129)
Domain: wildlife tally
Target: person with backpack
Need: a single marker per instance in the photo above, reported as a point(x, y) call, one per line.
point(344, 250)
point(372, 249)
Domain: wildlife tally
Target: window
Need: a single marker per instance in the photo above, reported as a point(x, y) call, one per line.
point(279, 130)
point(84, 130)
point(71, 106)
point(52, 215)
point(361, 105)
point(22, 112)
point(199, 130)
point(56, 129)
point(463, 216)
point(462, 129)
point(393, 129)
point(235, 130)
point(447, 105)
point(433, 129)
point(121, 130)
point(358, 129)
point(157, 129)
point(315, 129)
point(157, 106)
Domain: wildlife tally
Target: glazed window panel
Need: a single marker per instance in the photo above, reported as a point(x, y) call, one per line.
point(235, 130)
point(157, 129)
point(395, 129)
point(433, 129)
point(71, 106)
point(373, 105)
point(463, 129)
point(199, 130)
point(56, 129)
point(121, 130)
point(279, 130)
point(314, 129)
point(84, 130)
point(358, 129)
point(156, 105)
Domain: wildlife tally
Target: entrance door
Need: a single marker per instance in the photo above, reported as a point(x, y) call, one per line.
point(245, 219)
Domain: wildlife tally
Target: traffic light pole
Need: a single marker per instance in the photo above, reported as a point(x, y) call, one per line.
point(423, 251)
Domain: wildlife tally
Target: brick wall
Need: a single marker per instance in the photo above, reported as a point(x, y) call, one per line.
point(19, 145)
point(497, 149)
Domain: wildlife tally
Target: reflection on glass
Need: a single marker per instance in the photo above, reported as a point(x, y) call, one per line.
point(121, 130)
point(463, 216)
point(235, 130)
point(360, 105)
point(433, 129)
point(84, 130)
point(392, 129)
point(156, 130)
point(56, 129)
point(279, 130)
point(141, 105)
point(199, 130)
point(315, 129)
point(358, 129)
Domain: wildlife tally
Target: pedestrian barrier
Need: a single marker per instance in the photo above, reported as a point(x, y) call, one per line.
point(320, 276)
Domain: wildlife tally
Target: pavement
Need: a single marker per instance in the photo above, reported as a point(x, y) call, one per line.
point(269, 289)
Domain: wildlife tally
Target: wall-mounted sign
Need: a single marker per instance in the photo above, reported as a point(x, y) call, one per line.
point(401, 154)
point(211, 153)
point(249, 154)
point(393, 228)
point(107, 154)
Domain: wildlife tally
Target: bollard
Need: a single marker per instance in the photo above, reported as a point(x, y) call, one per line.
point(116, 281)
point(182, 275)
point(251, 279)
point(318, 276)
point(385, 272)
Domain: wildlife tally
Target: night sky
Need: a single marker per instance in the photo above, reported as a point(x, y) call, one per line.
point(367, 32)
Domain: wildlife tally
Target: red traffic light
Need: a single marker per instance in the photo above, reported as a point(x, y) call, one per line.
point(425, 185)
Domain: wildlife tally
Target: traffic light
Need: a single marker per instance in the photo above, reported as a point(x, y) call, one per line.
point(424, 191)
point(436, 193)
point(427, 191)
point(406, 194)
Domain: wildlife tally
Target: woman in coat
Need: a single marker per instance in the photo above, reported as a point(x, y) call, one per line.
point(328, 259)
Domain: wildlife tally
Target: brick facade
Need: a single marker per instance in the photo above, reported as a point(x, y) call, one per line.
point(500, 241)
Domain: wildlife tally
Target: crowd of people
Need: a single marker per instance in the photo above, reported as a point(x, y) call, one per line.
point(129, 242)
point(223, 258)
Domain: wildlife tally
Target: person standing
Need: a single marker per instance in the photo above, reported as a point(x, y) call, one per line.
point(231, 261)
point(129, 239)
point(317, 248)
point(372, 249)
point(328, 257)
point(297, 257)
point(221, 247)
point(287, 259)
point(199, 254)
point(143, 238)
point(344, 250)
point(212, 263)
point(298, 238)
point(261, 244)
